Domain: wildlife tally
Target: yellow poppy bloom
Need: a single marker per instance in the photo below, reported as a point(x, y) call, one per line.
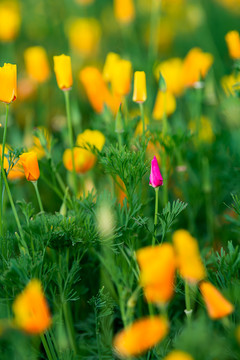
point(8, 83)
point(10, 20)
point(37, 63)
point(63, 71)
point(139, 88)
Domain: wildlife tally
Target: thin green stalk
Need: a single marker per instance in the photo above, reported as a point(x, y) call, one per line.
point(51, 347)
point(143, 120)
point(70, 134)
point(45, 345)
point(2, 163)
point(70, 328)
point(152, 51)
point(35, 184)
point(155, 216)
point(188, 310)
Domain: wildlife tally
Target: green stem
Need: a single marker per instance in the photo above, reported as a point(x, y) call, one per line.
point(188, 310)
point(35, 184)
point(143, 120)
point(152, 52)
point(50, 344)
point(70, 134)
point(45, 345)
point(155, 216)
point(70, 328)
point(2, 164)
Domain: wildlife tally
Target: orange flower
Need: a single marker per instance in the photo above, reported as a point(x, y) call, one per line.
point(97, 91)
point(217, 305)
point(124, 11)
point(84, 160)
point(178, 355)
point(31, 310)
point(37, 63)
point(165, 102)
point(30, 165)
point(9, 20)
point(139, 88)
point(188, 257)
point(63, 71)
point(140, 336)
point(233, 43)
point(157, 265)
point(195, 66)
point(8, 83)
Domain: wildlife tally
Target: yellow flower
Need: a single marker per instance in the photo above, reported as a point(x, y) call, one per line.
point(188, 257)
point(172, 72)
point(195, 66)
point(37, 146)
point(233, 43)
point(124, 11)
point(30, 165)
point(140, 336)
point(139, 88)
point(84, 160)
point(9, 20)
point(109, 66)
point(232, 5)
point(217, 305)
point(206, 134)
point(63, 71)
point(8, 83)
point(165, 102)
point(157, 266)
point(31, 310)
point(84, 35)
point(37, 63)
point(178, 355)
point(97, 91)
point(92, 138)
point(121, 77)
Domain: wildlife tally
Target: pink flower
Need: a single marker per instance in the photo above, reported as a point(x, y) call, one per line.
point(156, 179)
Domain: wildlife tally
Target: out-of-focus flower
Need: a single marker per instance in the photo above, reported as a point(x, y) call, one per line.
point(10, 20)
point(195, 66)
point(37, 145)
point(36, 62)
point(124, 11)
point(156, 179)
point(84, 160)
point(188, 257)
point(165, 103)
point(140, 336)
point(178, 355)
point(122, 77)
point(233, 43)
point(217, 306)
point(232, 5)
point(91, 138)
point(31, 310)
point(172, 71)
point(206, 134)
point(230, 83)
point(63, 71)
point(139, 88)
point(16, 171)
point(29, 162)
point(157, 266)
point(84, 2)
point(84, 35)
point(8, 83)
point(97, 91)
point(26, 89)
point(109, 66)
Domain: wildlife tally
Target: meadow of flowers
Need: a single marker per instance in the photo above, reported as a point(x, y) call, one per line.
point(119, 179)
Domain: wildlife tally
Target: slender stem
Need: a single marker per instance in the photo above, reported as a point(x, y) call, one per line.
point(155, 216)
point(70, 134)
point(70, 328)
point(35, 184)
point(154, 19)
point(143, 120)
point(2, 164)
point(45, 345)
point(188, 310)
point(50, 344)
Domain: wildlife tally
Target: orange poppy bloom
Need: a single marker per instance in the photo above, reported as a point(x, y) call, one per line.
point(30, 165)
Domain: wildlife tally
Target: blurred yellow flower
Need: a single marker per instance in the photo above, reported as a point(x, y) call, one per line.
point(8, 83)
point(63, 71)
point(97, 91)
point(217, 305)
point(37, 146)
point(121, 77)
point(178, 355)
point(31, 310)
point(142, 335)
point(139, 87)
point(36, 62)
point(172, 72)
point(157, 271)
point(189, 262)
point(233, 43)
point(232, 5)
point(84, 2)
point(165, 103)
point(195, 66)
point(124, 11)
point(109, 66)
point(206, 134)
point(84, 160)
point(29, 162)
point(91, 138)
point(9, 20)
point(84, 35)
point(230, 82)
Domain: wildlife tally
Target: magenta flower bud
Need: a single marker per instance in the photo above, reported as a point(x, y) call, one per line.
point(156, 179)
